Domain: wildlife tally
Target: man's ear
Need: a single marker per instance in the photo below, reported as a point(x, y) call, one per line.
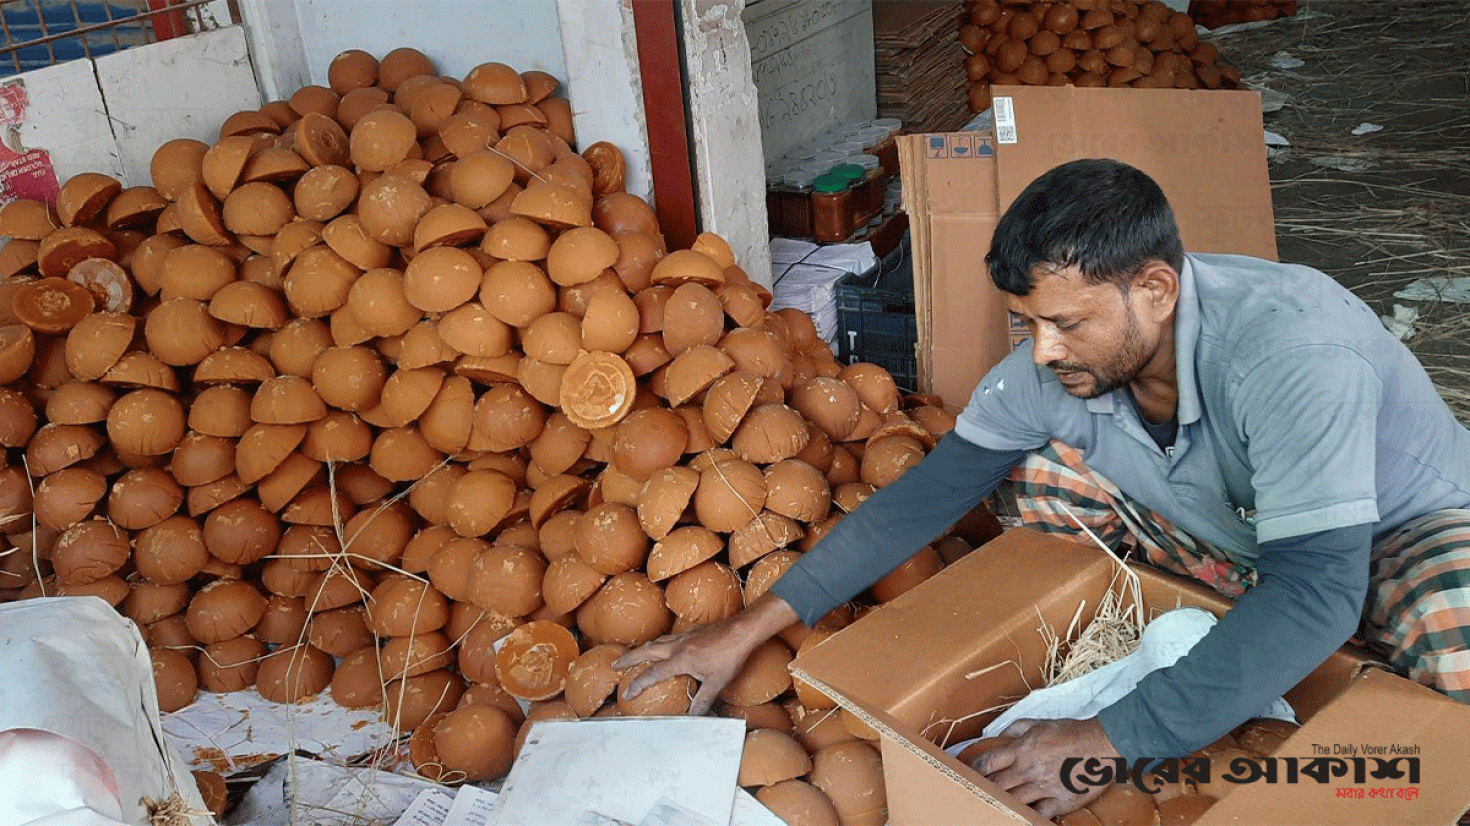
point(1158, 285)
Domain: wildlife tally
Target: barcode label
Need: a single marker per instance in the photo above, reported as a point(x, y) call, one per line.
point(1005, 120)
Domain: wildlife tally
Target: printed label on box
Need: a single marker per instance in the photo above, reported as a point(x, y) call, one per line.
point(936, 147)
point(961, 146)
point(1005, 120)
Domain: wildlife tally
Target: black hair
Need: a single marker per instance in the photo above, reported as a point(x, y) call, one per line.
point(1100, 215)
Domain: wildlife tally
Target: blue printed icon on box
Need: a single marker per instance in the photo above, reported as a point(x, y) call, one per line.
point(961, 146)
point(936, 147)
point(983, 148)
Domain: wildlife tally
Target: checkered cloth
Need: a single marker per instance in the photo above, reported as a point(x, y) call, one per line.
point(1418, 608)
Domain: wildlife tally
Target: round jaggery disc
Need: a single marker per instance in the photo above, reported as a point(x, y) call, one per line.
point(797, 801)
point(592, 678)
point(17, 351)
point(109, 283)
point(730, 494)
point(597, 390)
point(534, 660)
point(411, 701)
point(174, 678)
point(52, 305)
point(63, 249)
point(663, 499)
point(475, 741)
point(294, 673)
point(763, 677)
point(771, 756)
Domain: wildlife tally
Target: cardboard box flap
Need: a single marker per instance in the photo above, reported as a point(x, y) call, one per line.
point(1377, 712)
point(951, 200)
point(931, 642)
point(937, 790)
point(1205, 149)
point(942, 797)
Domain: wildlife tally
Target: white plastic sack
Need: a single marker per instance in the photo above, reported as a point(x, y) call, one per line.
point(1165, 640)
point(74, 667)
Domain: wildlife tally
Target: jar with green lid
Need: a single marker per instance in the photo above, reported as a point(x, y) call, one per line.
point(866, 195)
point(832, 208)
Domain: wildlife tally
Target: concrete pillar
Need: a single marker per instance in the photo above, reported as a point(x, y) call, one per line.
point(725, 130)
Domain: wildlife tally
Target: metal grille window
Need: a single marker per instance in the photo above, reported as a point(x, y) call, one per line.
point(41, 33)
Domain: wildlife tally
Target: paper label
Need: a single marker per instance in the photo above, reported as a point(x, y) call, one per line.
point(428, 809)
point(1005, 120)
point(472, 807)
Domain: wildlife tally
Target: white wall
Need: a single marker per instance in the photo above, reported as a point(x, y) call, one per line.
point(179, 88)
point(604, 84)
point(457, 34)
point(813, 67)
point(294, 41)
point(110, 114)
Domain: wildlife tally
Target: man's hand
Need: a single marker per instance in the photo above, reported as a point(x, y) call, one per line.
point(1031, 767)
point(712, 654)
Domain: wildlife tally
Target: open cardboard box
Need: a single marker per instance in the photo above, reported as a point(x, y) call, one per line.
point(1205, 149)
point(987, 608)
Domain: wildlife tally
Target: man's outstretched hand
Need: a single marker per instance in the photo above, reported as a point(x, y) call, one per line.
point(1031, 767)
point(712, 654)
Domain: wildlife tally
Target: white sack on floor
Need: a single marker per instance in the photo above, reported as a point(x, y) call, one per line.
point(76, 668)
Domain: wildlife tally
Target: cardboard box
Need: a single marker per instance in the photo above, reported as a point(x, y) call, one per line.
point(1203, 147)
point(986, 609)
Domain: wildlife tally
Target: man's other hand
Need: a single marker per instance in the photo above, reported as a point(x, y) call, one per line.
point(1031, 767)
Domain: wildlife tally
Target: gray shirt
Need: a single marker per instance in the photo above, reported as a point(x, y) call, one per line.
point(1298, 412)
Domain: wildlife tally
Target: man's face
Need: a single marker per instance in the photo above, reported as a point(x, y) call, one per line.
point(1088, 334)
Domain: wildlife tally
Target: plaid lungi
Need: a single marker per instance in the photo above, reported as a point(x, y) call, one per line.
point(1418, 608)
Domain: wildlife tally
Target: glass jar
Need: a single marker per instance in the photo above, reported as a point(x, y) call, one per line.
point(862, 195)
point(832, 208)
point(794, 209)
point(877, 178)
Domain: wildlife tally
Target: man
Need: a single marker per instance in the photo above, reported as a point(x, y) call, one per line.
point(1247, 423)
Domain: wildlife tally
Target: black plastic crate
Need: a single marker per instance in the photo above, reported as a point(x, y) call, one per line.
point(875, 317)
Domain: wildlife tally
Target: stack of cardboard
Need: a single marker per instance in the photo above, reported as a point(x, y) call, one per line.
point(916, 50)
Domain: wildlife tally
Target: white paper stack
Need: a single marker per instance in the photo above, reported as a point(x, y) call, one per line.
point(649, 771)
point(805, 276)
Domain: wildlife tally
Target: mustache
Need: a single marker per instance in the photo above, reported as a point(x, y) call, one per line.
point(1067, 367)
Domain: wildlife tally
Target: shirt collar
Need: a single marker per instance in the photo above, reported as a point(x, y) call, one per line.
point(1186, 341)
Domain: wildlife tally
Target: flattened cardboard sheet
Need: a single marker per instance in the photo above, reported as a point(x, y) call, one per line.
point(1203, 147)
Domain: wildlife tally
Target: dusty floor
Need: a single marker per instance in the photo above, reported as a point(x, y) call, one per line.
point(1382, 209)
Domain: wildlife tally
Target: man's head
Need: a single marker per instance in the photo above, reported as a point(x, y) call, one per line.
point(1089, 255)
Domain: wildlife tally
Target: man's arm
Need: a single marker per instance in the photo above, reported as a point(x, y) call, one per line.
point(893, 524)
point(889, 527)
point(1308, 603)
